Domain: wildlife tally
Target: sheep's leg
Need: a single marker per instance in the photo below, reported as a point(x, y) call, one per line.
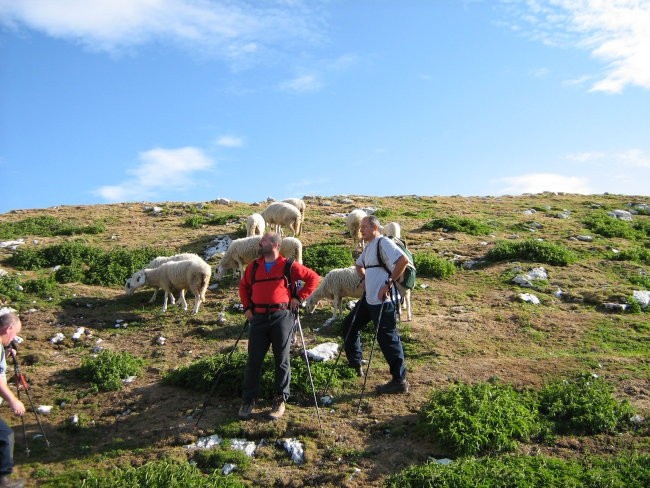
point(197, 302)
point(153, 298)
point(181, 300)
point(164, 308)
point(336, 303)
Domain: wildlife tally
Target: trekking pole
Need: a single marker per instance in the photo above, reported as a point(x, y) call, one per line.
point(372, 349)
point(311, 379)
point(220, 372)
point(21, 382)
point(345, 339)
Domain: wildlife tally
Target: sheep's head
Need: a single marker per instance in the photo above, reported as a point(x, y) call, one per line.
point(219, 272)
point(134, 282)
point(310, 304)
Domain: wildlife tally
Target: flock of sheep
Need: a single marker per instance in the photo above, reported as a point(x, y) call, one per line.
point(188, 271)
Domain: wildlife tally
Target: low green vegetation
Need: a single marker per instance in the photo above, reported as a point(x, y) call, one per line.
point(482, 418)
point(78, 262)
point(637, 254)
point(47, 226)
point(608, 226)
point(459, 224)
point(583, 405)
point(623, 471)
point(108, 369)
point(157, 474)
point(323, 258)
point(202, 374)
point(531, 250)
point(197, 221)
point(433, 266)
point(211, 460)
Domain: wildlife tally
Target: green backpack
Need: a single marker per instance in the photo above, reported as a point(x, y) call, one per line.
point(407, 280)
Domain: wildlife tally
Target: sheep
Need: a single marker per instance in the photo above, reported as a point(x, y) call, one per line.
point(255, 225)
point(193, 275)
point(392, 229)
point(299, 204)
point(345, 282)
point(353, 221)
point(282, 213)
point(338, 283)
point(155, 262)
point(244, 250)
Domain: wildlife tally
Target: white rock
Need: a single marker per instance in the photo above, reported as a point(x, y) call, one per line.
point(161, 340)
point(44, 409)
point(326, 400)
point(621, 215)
point(58, 338)
point(244, 445)
point(637, 419)
point(530, 298)
point(295, 449)
point(324, 351)
point(228, 468)
point(642, 296)
point(78, 333)
point(205, 442)
point(74, 420)
point(129, 379)
point(585, 238)
point(618, 307)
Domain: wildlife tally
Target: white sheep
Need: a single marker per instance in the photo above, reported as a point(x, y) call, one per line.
point(299, 204)
point(255, 225)
point(190, 275)
point(244, 250)
point(155, 262)
point(281, 213)
point(392, 229)
point(353, 221)
point(338, 283)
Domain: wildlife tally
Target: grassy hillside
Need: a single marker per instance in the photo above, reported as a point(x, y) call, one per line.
point(472, 341)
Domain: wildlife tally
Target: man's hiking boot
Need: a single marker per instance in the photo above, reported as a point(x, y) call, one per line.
point(358, 369)
point(277, 409)
point(7, 482)
point(394, 386)
point(246, 409)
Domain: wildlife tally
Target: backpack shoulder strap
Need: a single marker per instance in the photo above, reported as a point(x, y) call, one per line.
point(287, 274)
point(379, 259)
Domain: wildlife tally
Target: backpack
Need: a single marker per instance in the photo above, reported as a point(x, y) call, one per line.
point(286, 273)
point(407, 279)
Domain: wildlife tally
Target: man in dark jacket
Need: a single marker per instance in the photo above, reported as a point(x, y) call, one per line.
point(269, 300)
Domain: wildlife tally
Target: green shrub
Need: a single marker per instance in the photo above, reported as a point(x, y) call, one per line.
point(383, 213)
point(72, 273)
point(42, 287)
point(486, 417)
point(607, 226)
point(209, 460)
point(46, 225)
point(623, 471)
point(459, 224)
point(157, 474)
point(10, 288)
point(201, 375)
point(531, 250)
point(643, 227)
point(430, 265)
point(323, 258)
point(194, 221)
point(638, 255)
point(107, 370)
point(584, 406)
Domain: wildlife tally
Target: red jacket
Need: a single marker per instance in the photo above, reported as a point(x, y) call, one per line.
point(270, 288)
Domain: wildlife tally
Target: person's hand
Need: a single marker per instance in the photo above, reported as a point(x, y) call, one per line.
point(384, 292)
point(294, 304)
point(17, 407)
point(249, 314)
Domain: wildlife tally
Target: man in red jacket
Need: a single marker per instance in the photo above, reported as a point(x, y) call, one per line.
point(269, 301)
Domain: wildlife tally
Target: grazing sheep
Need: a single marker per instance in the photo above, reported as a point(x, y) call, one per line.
point(190, 275)
point(281, 213)
point(392, 229)
point(299, 204)
point(255, 225)
point(353, 221)
point(244, 250)
point(338, 283)
point(155, 262)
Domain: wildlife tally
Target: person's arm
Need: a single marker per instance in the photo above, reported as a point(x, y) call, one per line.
point(400, 266)
point(15, 404)
point(310, 279)
point(245, 290)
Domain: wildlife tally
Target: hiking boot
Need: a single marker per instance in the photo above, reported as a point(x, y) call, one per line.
point(246, 409)
point(6, 482)
point(277, 410)
point(358, 369)
point(394, 386)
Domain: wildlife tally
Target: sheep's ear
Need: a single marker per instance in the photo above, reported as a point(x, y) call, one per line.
point(140, 279)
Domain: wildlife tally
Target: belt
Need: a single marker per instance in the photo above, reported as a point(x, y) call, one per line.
point(268, 308)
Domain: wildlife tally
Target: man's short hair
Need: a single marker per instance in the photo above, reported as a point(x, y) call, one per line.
point(274, 238)
point(372, 220)
point(7, 319)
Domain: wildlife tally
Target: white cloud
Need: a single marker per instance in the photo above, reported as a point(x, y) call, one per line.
point(539, 72)
point(540, 182)
point(616, 32)
point(631, 158)
point(229, 29)
point(302, 84)
point(160, 170)
point(230, 141)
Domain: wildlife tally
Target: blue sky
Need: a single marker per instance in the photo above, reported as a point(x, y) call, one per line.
point(107, 101)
